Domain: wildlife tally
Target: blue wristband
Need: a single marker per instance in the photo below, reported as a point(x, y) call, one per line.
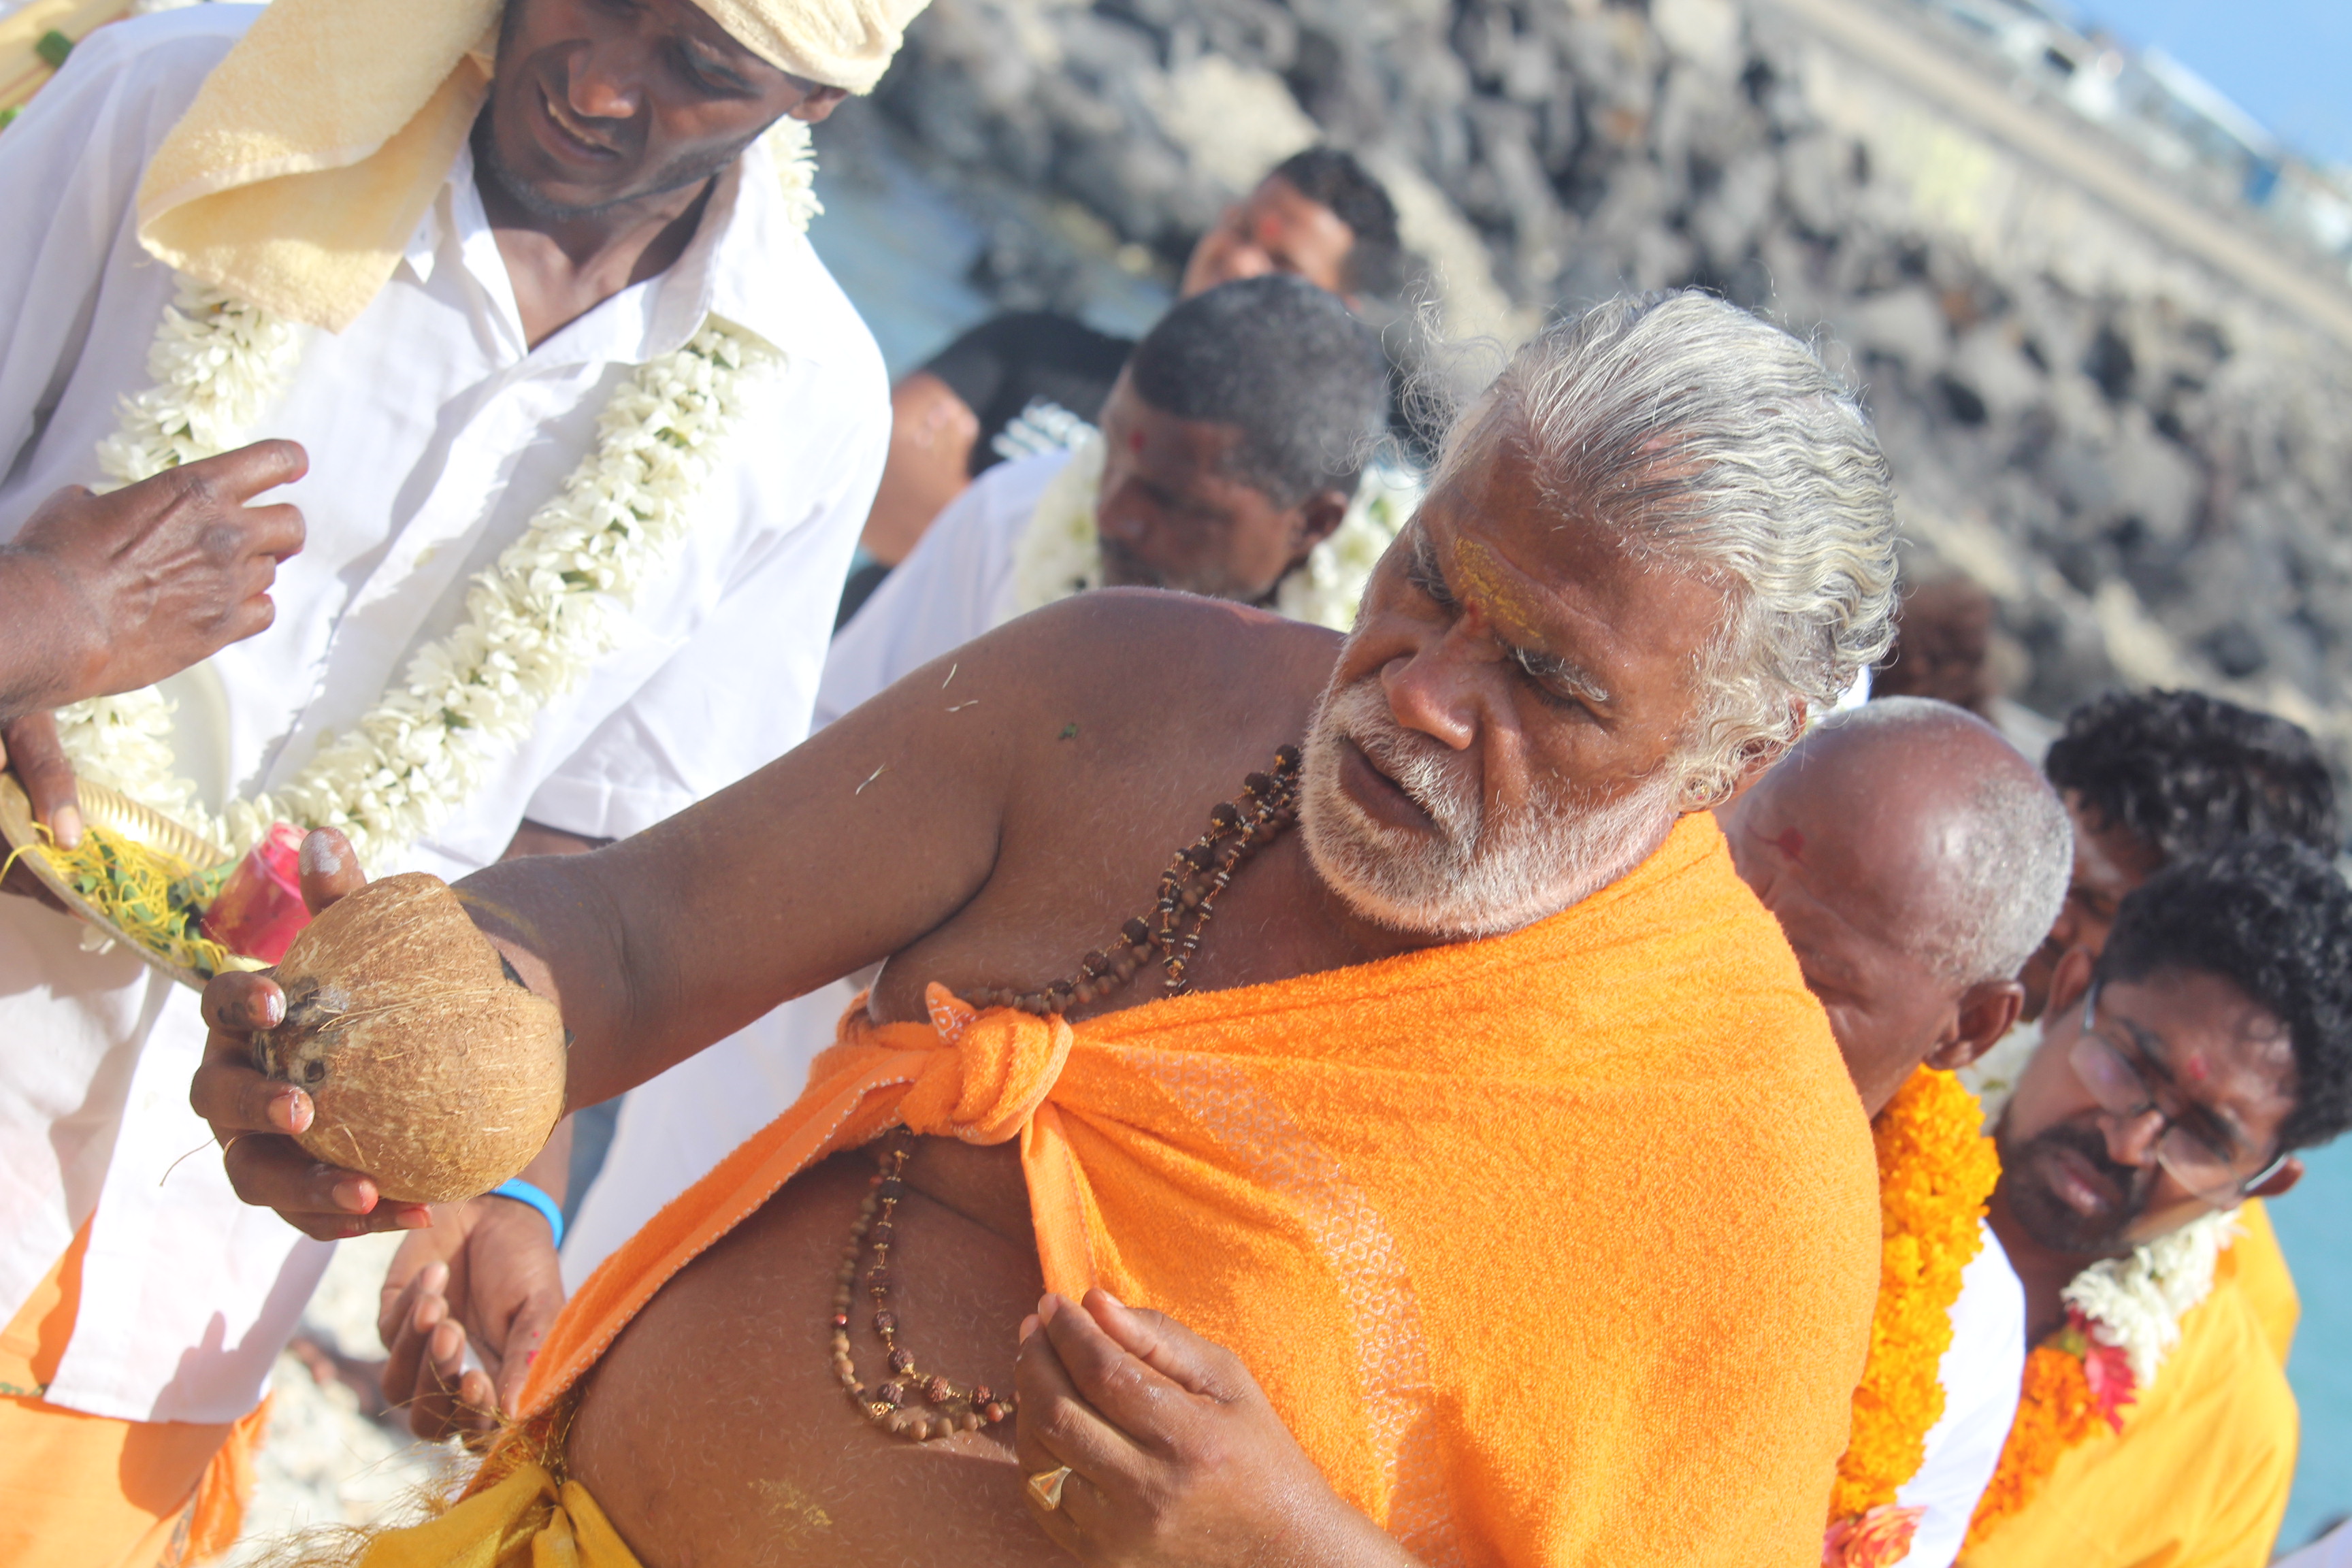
point(522, 1192)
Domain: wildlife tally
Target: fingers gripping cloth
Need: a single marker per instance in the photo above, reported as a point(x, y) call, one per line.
point(979, 1077)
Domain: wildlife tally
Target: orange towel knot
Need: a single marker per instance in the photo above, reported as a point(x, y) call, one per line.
point(989, 1073)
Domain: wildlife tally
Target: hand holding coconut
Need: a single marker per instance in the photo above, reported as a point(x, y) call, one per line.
point(392, 1060)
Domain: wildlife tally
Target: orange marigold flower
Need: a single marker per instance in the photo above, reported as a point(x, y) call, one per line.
point(1935, 1170)
point(1874, 1539)
point(2056, 1410)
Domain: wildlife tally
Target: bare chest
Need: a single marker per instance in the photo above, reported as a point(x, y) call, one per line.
point(715, 1432)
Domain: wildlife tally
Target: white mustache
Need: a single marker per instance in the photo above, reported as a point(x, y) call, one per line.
point(1424, 769)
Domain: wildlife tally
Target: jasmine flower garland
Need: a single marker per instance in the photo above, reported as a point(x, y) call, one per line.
point(549, 607)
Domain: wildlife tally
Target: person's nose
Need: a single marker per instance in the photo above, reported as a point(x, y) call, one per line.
point(1115, 517)
point(1437, 688)
point(602, 87)
point(1247, 259)
point(2132, 1139)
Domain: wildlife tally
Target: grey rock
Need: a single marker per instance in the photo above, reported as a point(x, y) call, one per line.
point(1905, 326)
point(2178, 443)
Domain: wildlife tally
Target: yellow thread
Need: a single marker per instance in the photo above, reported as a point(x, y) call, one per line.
point(150, 899)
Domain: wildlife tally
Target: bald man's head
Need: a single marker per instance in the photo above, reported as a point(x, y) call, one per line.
point(1914, 859)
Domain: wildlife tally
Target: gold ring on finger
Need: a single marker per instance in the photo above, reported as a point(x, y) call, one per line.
point(1045, 1486)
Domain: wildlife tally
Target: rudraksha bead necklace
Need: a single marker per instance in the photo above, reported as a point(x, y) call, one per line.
point(922, 1406)
point(912, 1403)
point(1189, 889)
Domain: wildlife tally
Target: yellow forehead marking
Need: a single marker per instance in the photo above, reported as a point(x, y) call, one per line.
point(1482, 580)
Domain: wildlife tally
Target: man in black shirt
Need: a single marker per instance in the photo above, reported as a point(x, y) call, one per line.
point(1319, 215)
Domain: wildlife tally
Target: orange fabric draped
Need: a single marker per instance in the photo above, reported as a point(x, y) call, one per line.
point(89, 1491)
point(1558, 1247)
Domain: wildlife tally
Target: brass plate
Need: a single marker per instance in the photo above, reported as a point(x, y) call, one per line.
point(119, 814)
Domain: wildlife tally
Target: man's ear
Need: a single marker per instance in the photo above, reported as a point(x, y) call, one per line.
point(1754, 763)
point(1986, 1011)
point(2281, 1180)
point(1315, 519)
point(2070, 979)
point(816, 103)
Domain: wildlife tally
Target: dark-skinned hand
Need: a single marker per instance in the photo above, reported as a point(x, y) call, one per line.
point(253, 1117)
point(29, 748)
point(486, 1272)
point(101, 594)
point(1177, 1459)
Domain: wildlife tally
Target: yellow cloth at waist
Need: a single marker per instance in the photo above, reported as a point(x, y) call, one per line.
point(528, 1520)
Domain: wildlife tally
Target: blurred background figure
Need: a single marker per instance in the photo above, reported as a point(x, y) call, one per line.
point(1318, 215)
point(1943, 647)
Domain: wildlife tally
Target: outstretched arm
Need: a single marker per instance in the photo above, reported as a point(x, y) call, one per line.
point(837, 855)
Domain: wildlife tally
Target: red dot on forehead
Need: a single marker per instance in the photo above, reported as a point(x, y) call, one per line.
point(1135, 441)
point(2194, 1068)
point(1790, 843)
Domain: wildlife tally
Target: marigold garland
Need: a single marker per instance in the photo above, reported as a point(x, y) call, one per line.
point(1936, 1168)
point(2055, 1410)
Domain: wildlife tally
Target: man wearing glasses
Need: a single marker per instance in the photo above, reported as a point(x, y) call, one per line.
point(2180, 1070)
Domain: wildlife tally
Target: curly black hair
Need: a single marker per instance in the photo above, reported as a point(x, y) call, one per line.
point(1332, 178)
point(2272, 917)
point(2187, 772)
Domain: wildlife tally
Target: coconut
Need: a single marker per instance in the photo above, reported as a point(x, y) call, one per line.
point(431, 1067)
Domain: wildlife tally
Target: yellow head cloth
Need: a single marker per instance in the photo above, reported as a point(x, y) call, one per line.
point(296, 178)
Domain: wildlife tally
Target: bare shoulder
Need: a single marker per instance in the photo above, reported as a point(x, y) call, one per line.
point(1138, 679)
point(1139, 643)
point(1104, 730)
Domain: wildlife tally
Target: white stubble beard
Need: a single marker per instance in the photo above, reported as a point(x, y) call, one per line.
point(1478, 876)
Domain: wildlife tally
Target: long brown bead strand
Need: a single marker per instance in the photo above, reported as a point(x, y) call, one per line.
point(1168, 934)
point(920, 1405)
point(911, 1402)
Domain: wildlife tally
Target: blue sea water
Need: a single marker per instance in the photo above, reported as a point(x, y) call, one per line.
point(2314, 1223)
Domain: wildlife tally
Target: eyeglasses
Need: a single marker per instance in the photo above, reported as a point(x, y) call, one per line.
point(2122, 1089)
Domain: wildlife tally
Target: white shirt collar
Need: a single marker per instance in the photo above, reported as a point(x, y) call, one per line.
point(747, 263)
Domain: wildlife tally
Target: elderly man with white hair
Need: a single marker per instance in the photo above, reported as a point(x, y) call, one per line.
point(1914, 859)
point(580, 434)
point(1484, 1116)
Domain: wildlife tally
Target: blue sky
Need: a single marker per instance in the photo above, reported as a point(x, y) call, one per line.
point(2286, 62)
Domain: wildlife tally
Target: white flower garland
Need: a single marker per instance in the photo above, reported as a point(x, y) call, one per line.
point(1060, 552)
point(2134, 1303)
point(550, 607)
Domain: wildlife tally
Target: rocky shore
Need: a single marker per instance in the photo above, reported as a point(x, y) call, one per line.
point(2143, 457)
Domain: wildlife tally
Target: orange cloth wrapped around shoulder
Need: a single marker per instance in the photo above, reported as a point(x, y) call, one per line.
point(1559, 1248)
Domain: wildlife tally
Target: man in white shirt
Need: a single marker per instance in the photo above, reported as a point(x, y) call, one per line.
point(1232, 461)
point(1913, 859)
point(455, 284)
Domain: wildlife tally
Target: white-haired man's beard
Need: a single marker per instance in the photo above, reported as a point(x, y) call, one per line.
point(1483, 873)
